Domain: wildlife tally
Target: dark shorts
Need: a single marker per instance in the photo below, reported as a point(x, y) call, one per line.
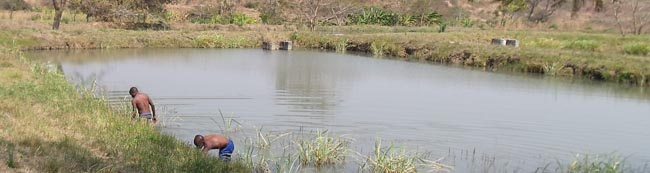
point(226, 152)
point(147, 116)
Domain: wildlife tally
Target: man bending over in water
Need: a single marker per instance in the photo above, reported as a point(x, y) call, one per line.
point(208, 142)
point(141, 102)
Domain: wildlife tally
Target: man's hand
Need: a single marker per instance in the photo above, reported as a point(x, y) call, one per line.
point(155, 119)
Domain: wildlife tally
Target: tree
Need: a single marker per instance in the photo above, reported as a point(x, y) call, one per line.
point(270, 12)
point(59, 6)
point(640, 16)
point(99, 9)
point(421, 8)
point(13, 5)
point(599, 5)
point(634, 14)
point(312, 11)
point(112, 10)
point(145, 7)
point(541, 10)
point(508, 8)
point(340, 9)
point(576, 6)
point(225, 7)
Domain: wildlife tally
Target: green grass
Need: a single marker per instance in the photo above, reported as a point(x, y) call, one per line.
point(642, 49)
point(224, 41)
point(65, 129)
point(586, 45)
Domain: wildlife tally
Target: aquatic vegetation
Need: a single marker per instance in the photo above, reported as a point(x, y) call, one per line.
point(322, 149)
point(287, 163)
point(227, 125)
point(552, 69)
point(341, 46)
point(597, 163)
point(390, 160)
point(378, 48)
point(264, 140)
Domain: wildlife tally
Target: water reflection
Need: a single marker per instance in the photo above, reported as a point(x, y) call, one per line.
point(306, 87)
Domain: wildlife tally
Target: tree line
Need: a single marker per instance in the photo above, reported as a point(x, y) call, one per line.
point(631, 16)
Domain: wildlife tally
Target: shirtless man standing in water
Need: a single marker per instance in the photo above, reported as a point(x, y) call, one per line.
point(141, 102)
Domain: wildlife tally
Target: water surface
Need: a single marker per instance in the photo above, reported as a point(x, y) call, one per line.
point(524, 121)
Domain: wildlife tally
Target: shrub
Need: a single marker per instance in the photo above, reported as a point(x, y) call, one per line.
point(637, 49)
point(374, 16)
point(467, 22)
point(250, 5)
point(443, 27)
point(241, 19)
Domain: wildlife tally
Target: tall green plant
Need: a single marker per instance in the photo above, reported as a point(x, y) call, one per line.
point(241, 19)
point(374, 16)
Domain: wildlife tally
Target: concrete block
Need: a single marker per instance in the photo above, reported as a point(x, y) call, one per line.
point(267, 45)
point(512, 42)
point(286, 45)
point(498, 41)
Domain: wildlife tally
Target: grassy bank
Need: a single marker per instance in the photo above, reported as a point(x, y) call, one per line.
point(47, 125)
point(601, 57)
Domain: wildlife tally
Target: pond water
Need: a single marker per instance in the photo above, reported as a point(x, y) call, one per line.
point(520, 121)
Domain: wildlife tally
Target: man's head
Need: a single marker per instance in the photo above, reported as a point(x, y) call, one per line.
point(133, 91)
point(198, 141)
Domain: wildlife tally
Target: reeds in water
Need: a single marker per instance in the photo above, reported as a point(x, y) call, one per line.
point(322, 149)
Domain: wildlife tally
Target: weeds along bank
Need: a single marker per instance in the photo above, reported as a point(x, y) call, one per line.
point(601, 57)
point(47, 125)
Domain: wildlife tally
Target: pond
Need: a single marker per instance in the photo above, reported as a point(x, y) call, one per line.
point(516, 122)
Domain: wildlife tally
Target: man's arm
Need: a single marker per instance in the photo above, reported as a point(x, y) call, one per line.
point(153, 110)
point(135, 107)
point(206, 148)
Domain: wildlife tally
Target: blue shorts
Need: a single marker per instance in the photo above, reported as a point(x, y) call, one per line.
point(226, 152)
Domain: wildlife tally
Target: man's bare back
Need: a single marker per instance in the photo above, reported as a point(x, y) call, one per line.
point(141, 103)
point(220, 142)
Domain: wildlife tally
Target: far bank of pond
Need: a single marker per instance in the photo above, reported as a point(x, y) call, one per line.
point(593, 56)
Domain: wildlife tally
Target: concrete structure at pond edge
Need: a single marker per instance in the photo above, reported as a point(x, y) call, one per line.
point(512, 42)
point(505, 42)
point(286, 45)
point(269, 45)
point(498, 41)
